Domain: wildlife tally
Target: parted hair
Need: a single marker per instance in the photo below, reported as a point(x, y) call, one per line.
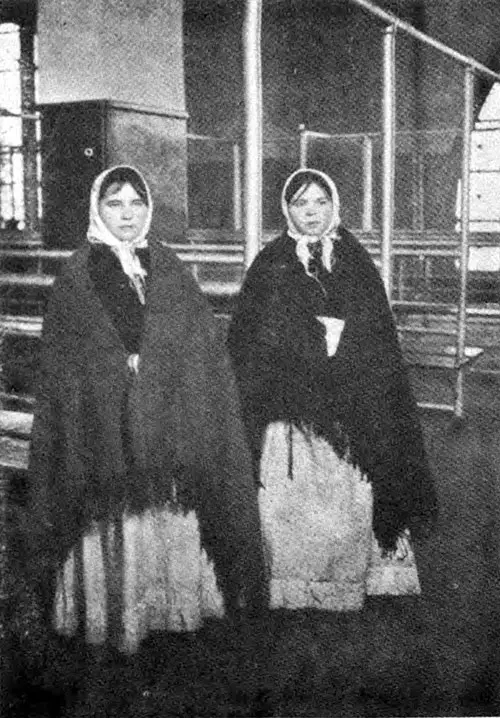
point(121, 176)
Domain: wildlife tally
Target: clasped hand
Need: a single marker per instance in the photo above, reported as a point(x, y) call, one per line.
point(133, 363)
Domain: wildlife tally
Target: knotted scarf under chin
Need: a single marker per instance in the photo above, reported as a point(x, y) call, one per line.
point(315, 253)
point(132, 267)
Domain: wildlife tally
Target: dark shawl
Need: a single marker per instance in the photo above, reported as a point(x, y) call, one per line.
point(186, 442)
point(359, 400)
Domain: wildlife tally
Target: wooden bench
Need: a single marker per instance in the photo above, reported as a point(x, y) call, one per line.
point(444, 358)
point(14, 447)
point(21, 325)
point(15, 279)
point(16, 424)
point(15, 430)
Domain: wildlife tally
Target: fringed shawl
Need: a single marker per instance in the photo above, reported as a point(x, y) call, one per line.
point(187, 444)
point(359, 399)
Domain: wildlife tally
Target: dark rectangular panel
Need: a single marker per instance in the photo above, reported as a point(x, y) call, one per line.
point(73, 153)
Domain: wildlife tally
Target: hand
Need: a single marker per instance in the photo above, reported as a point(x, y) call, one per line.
point(133, 363)
point(334, 328)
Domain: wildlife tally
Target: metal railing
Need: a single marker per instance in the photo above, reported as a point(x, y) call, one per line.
point(471, 66)
point(11, 187)
point(207, 142)
point(417, 144)
point(248, 213)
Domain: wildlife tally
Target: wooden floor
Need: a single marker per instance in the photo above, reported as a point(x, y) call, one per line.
point(433, 656)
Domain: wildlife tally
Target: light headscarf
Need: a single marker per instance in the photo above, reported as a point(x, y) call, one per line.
point(98, 233)
point(328, 237)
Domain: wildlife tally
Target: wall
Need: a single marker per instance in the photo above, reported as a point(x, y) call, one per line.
point(471, 28)
point(125, 50)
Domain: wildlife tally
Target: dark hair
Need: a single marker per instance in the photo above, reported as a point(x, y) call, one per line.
point(304, 180)
point(121, 176)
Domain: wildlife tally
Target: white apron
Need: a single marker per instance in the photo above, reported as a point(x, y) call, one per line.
point(159, 579)
point(317, 528)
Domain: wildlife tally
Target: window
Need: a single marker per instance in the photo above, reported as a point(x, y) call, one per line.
point(17, 142)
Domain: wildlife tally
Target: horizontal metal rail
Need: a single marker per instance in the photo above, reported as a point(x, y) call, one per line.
point(211, 258)
point(360, 136)
point(210, 138)
point(230, 254)
point(13, 279)
point(21, 325)
point(433, 307)
point(448, 408)
point(206, 247)
point(426, 331)
point(36, 253)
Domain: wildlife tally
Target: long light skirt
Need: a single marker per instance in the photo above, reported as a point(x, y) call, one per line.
point(142, 573)
point(317, 528)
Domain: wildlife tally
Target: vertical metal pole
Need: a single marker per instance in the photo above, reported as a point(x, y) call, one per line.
point(388, 157)
point(418, 184)
point(237, 214)
point(4, 584)
point(302, 146)
point(468, 125)
point(367, 184)
point(253, 115)
point(29, 140)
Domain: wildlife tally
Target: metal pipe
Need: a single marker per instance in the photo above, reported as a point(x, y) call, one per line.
point(303, 135)
point(431, 248)
point(423, 253)
point(199, 258)
point(406, 27)
point(200, 247)
point(427, 330)
point(206, 138)
point(367, 184)
point(38, 253)
point(425, 244)
point(372, 249)
point(237, 212)
point(220, 289)
point(26, 280)
point(29, 129)
point(355, 136)
point(431, 306)
point(418, 189)
point(464, 235)
point(436, 407)
point(253, 128)
point(388, 153)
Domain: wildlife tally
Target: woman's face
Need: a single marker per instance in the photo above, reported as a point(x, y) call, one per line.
point(123, 212)
point(311, 210)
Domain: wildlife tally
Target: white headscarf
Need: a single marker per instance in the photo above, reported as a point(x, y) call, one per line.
point(328, 236)
point(98, 233)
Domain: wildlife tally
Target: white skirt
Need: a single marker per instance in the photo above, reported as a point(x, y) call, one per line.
point(143, 573)
point(317, 528)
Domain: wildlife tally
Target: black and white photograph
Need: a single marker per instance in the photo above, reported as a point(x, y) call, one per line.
point(249, 358)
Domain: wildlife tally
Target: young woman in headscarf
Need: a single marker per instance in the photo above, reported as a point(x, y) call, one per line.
point(337, 445)
point(143, 509)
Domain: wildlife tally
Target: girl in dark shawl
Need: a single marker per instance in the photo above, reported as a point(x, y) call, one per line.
point(336, 440)
point(143, 509)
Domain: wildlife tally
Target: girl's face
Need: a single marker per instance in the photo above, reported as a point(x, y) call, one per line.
point(311, 210)
point(123, 212)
